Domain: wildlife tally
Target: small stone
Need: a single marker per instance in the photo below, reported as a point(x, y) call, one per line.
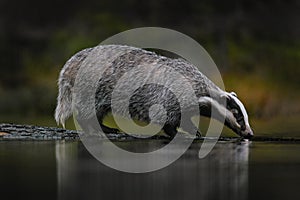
point(3, 134)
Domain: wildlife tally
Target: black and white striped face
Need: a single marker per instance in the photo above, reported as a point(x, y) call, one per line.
point(239, 122)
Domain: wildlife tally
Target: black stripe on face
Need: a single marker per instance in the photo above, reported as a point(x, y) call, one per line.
point(234, 108)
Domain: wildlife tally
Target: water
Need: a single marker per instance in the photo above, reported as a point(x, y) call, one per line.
point(233, 170)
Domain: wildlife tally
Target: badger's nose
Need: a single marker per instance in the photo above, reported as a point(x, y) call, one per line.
point(248, 133)
point(248, 136)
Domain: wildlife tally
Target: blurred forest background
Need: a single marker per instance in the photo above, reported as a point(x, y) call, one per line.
point(255, 44)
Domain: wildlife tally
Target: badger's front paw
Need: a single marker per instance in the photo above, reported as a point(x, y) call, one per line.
point(198, 134)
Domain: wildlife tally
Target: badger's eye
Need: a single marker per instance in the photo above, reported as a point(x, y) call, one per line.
point(234, 111)
point(243, 127)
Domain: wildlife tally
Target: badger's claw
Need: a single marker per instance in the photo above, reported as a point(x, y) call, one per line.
point(198, 134)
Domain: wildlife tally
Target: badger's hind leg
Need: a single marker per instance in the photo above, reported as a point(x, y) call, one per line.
point(101, 113)
point(188, 126)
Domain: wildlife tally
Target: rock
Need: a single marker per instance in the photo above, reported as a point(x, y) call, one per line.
point(3, 134)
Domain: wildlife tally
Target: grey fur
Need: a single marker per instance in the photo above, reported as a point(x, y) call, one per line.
point(121, 59)
point(66, 83)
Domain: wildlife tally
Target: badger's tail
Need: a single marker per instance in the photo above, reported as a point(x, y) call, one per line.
point(64, 102)
point(66, 81)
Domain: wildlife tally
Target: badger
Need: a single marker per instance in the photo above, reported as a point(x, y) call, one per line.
point(126, 58)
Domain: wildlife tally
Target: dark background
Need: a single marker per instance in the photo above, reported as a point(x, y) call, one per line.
point(255, 44)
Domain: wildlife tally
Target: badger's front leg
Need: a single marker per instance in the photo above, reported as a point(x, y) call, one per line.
point(189, 127)
point(186, 125)
point(170, 130)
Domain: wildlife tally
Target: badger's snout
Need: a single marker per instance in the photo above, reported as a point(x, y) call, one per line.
point(244, 131)
point(247, 132)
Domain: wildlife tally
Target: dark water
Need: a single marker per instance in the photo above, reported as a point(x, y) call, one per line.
point(65, 170)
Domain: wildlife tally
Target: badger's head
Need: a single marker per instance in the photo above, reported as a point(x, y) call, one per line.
point(227, 106)
point(236, 116)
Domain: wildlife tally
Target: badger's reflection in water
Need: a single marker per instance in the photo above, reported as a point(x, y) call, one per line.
point(223, 174)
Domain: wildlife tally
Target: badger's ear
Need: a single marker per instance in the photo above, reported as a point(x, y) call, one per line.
point(225, 96)
point(233, 93)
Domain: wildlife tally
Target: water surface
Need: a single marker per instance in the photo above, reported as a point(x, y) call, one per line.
point(233, 170)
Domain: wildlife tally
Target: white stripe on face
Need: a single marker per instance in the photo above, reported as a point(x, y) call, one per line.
point(222, 113)
point(240, 104)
